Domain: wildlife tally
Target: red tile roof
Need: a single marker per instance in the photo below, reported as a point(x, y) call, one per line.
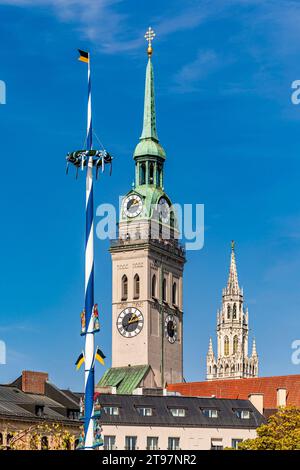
point(242, 388)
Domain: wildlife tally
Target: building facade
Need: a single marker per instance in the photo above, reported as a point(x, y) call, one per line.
point(35, 414)
point(147, 270)
point(232, 360)
point(143, 422)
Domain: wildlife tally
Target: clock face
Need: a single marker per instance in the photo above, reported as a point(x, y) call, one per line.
point(171, 329)
point(164, 210)
point(130, 322)
point(133, 205)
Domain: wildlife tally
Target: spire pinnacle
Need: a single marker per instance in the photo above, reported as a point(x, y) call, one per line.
point(233, 283)
point(210, 348)
point(150, 35)
point(254, 352)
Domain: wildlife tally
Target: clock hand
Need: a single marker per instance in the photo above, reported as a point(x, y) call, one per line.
point(133, 319)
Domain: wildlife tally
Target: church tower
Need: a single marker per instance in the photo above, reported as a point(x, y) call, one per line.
point(232, 361)
point(147, 268)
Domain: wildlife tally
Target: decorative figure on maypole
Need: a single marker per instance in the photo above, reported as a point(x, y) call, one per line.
point(89, 159)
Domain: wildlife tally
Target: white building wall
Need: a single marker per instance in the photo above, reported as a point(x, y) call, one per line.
point(190, 438)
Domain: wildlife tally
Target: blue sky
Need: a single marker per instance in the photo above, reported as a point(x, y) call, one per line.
point(223, 73)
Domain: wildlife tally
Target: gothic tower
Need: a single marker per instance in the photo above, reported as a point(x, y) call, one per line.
point(147, 265)
point(232, 361)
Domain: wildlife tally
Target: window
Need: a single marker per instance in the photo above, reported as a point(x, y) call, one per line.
point(226, 346)
point(209, 413)
point(228, 311)
point(111, 410)
point(178, 412)
point(235, 344)
point(124, 287)
point(144, 411)
point(143, 173)
point(164, 290)
point(234, 312)
point(73, 414)
point(153, 286)
point(39, 410)
point(235, 443)
point(216, 444)
point(44, 443)
point(174, 294)
point(151, 173)
point(173, 443)
point(172, 224)
point(159, 182)
point(109, 442)
point(152, 443)
point(136, 283)
point(1, 439)
point(130, 442)
point(242, 414)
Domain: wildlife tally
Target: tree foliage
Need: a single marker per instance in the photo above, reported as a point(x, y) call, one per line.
point(282, 432)
point(43, 436)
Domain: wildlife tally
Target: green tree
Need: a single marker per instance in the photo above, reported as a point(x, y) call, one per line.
point(282, 432)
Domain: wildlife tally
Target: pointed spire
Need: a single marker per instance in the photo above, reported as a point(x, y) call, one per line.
point(233, 282)
point(149, 144)
point(254, 352)
point(210, 348)
point(149, 127)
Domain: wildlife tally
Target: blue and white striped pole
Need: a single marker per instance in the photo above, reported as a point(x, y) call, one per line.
point(89, 283)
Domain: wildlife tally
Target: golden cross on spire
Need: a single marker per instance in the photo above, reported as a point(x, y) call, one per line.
point(150, 35)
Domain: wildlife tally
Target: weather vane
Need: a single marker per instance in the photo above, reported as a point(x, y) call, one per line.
point(150, 35)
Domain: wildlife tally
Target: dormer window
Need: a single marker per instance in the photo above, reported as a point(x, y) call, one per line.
point(177, 412)
point(210, 413)
point(39, 410)
point(144, 411)
point(242, 414)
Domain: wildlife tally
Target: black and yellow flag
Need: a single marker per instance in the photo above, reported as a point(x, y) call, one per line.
point(100, 356)
point(79, 361)
point(83, 56)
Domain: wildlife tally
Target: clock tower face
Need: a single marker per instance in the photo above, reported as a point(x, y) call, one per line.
point(130, 322)
point(132, 205)
point(171, 328)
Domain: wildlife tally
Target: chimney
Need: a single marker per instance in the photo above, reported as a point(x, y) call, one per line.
point(257, 400)
point(281, 397)
point(34, 382)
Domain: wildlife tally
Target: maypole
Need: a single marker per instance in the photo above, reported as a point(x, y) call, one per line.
point(89, 159)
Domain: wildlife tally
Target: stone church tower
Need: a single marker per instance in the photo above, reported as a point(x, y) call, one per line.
point(232, 361)
point(147, 272)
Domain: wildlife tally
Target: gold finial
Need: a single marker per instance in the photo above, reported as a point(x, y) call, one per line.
point(150, 35)
point(232, 245)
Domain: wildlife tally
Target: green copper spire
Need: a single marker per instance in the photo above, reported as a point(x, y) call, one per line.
point(149, 144)
point(149, 129)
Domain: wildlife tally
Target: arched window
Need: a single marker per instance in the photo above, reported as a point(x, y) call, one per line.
point(143, 173)
point(153, 286)
point(164, 290)
point(227, 369)
point(159, 176)
point(234, 312)
point(44, 443)
point(136, 286)
point(151, 173)
point(124, 287)
point(174, 293)
point(226, 346)
point(228, 311)
point(235, 344)
point(1, 439)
